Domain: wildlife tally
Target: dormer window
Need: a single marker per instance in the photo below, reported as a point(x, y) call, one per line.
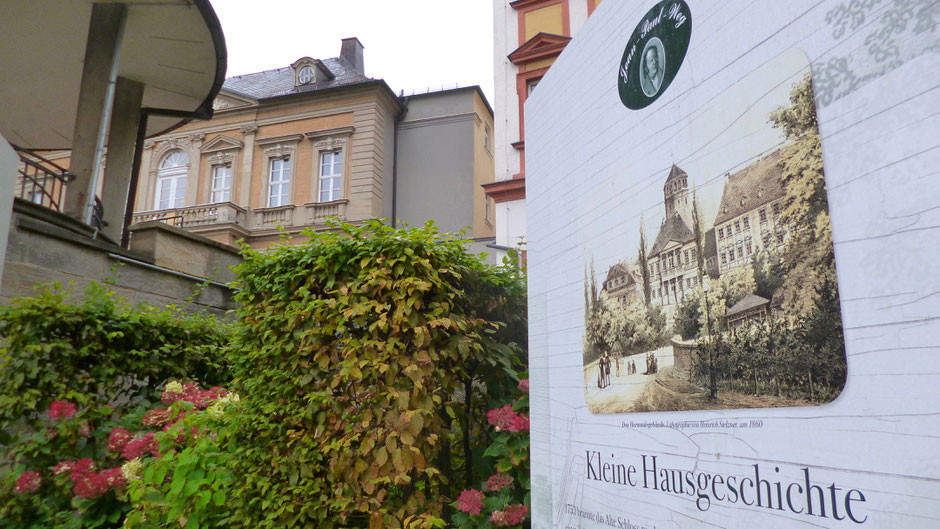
point(309, 71)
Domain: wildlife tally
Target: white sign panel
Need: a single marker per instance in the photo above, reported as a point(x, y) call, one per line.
point(733, 304)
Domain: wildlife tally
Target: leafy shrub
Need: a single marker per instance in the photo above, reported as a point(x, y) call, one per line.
point(188, 484)
point(351, 349)
point(72, 374)
point(504, 499)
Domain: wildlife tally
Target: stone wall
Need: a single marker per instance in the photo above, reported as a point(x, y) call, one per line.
point(683, 353)
point(162, 267)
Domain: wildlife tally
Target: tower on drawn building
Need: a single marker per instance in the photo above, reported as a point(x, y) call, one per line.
point(673, 259)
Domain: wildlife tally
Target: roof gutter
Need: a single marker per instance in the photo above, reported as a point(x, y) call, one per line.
point(203, 111)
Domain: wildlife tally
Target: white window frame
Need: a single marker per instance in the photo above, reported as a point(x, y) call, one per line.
point(278, 148)
point(221, 151)
point(175, 177)
point(280, 167)
point(302, 74)
point(488, 137)
point(336, 141)
point(333, 179)
point(221, 191)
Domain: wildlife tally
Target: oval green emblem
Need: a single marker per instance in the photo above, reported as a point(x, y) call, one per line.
point(654, 53)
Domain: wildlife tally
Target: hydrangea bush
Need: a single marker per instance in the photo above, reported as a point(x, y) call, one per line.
point(504, 498)
point(79, 381)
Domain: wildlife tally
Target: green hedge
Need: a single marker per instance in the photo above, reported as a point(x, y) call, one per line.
point(105, 362)
point(351, 348)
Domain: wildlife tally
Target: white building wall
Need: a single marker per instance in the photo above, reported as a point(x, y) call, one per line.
point(577, 15)
point(505, 103)
point(510, 223)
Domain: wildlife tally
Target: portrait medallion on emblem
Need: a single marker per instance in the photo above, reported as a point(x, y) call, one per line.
point(654, 53)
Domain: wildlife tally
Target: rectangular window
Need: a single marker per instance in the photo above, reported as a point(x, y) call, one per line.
point(221, 183)
point(763, 215)
point(721, 233)
point(490, 210)
point(776, 208)
point(279, 182)
point(688, 283)
point(672, 262)
point(740, 252)
point(780, 237)
point(693, 254)
point(731, 254)
point(687, 261)
point(747, 225)
point(172, 190)
point(747, 247)
point(488, 137)
point(724, 258)
point(530, 86)
point(331, 171)
point(737, 226)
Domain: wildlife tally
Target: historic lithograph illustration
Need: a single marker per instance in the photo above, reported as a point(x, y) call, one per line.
point(730, 299)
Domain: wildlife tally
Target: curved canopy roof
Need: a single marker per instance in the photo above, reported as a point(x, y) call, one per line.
point(175, 48)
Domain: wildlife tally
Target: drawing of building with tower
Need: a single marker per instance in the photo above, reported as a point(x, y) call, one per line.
point(673, 258)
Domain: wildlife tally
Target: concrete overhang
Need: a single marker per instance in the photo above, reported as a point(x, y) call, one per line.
point(174, 47)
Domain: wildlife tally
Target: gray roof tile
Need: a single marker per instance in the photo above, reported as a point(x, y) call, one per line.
point(674, 229)
point(751, 187)
point(748, 302)
point(280, 82)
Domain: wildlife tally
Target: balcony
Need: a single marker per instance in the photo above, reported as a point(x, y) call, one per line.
point(44, 182)
point(194, 216)
point(273, 217)
point(319, 212)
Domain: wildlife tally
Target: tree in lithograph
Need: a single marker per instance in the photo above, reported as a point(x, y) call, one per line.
point(644, 265)
point(808, 261)
point(809, 289)
point(595, 335)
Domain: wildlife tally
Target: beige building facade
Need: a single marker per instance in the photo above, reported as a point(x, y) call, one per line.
point(289, 149)
point(748, 220)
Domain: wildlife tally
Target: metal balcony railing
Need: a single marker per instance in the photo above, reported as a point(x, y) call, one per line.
point(44, 182)
point(41, 181)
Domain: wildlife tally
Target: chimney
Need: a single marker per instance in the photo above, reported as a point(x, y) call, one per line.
point(352, 52)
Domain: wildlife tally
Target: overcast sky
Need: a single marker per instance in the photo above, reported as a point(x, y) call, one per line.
point(412, 44)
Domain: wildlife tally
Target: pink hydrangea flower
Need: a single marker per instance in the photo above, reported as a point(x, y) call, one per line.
point(498, 482)
point(118, 439)
point(157, 417)
point(524, 385)
point(91, 485)
point(81, 467)
point(512, 515)
point(62, 468)
point(506, 418)
point(470, 501)
point(28, 481)
point(199, 398)
point(61, 409)
point(139, 446)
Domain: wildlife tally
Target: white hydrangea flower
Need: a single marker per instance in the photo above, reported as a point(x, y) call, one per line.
point(131, 469)
point(215, 411)
point(173, 387)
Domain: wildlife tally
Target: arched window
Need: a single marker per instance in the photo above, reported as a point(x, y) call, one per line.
point(171, 180)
